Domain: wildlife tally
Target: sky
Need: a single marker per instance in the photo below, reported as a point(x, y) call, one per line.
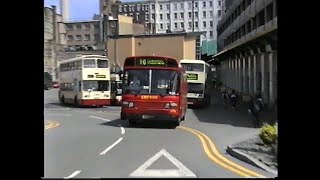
point(79, 9)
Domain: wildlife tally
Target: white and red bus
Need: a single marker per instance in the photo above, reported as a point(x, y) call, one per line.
point(154, 88)
point(85, 81)
point(116, 88)
point(199, 76)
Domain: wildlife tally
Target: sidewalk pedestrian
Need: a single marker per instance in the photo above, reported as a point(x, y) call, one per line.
point(225, 99)
point(255, 108)
point(234, 99)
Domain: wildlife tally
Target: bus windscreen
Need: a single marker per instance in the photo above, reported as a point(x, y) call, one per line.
point(197, 67)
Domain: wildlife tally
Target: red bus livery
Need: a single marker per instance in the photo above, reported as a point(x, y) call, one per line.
point(154, 88)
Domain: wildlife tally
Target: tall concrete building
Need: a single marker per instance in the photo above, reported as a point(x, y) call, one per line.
point(247, 45)
point(54, 40)
point(162, 16)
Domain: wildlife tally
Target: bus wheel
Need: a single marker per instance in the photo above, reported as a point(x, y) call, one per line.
point(62, 100)
point(132, 122)
point(76, 104)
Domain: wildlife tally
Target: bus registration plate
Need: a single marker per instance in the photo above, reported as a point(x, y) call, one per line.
point(147, 117)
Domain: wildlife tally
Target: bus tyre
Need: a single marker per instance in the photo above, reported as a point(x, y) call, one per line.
point(76, 104)
point(62, 99)
point(132, 122)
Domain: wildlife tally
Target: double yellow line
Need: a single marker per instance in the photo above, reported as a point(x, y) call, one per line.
point(51, 124)
point(213, 154)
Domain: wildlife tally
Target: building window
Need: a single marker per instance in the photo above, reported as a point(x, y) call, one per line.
point(160, 6)
point(210, 3)
point(204, 4)
point(181, 5)
point(219, 3)
point(211, 34)
point(120, 8)
point(147, 7)
point(138, 7)
point(181, 15)
point(137, 16)
point(204, 14)
point(175, 6)
point(96, 37)
point(96, 26)
point(78, 26)
point(152, 6)
point(168, 6)
point(196, 4)
point(168, 16)
point(196, 24)
point(175, 25)
point(87, 37)
point(161, 26)
point(86, 26)
point(161, 17)
point(182, 25)
point(175, 16)
point(147, 17)
point(69, 27)
point(78, 37)
point(168, 26)
point(189, 15)
point(204, 24)
point(130, 8)
point(219, 13)
point(211, 13)
point(152, 16)
point(196, 14)
point(70, 38)
point(211, 24)
point(189, 25)
point(189, 5)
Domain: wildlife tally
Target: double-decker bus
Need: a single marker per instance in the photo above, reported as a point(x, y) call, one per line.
point(199, 76)
point(85, 81)
point(116, 88)
point(154, 88)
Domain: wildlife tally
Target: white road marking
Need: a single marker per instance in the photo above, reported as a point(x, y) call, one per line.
point(123, 131)
point(183, 171)
point(100, 118)
point(73, 174)
point(110, 147)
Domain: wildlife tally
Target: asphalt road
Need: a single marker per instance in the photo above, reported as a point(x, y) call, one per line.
point(95, 143)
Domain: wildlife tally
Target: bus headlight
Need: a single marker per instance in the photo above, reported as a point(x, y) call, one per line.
point(127, 104)
point(131, 104)
point(170, 105)
point(167, 106)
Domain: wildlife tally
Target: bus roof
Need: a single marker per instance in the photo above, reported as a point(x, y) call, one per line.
point(193, 61)
point(82, 57)
point(168, 57)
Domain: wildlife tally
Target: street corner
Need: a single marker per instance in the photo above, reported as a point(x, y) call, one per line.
point(50, 124)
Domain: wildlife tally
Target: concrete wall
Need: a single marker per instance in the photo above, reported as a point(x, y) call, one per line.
point(189, 43)
point(125, 25)
point(179, 47)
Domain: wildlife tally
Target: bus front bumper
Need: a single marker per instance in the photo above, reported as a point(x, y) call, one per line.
point(95, 102)
point(150, 114)
point(196, 101)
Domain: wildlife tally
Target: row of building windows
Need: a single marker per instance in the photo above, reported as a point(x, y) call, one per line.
point(145, 7)
point(182, 26)
point(87, 63)
point(205, 14)
point(264, 16)
point(242, 7)
point(84, 26)
point(86, 37)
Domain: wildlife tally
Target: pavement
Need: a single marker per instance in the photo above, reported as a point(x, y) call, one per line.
point(95, 143)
